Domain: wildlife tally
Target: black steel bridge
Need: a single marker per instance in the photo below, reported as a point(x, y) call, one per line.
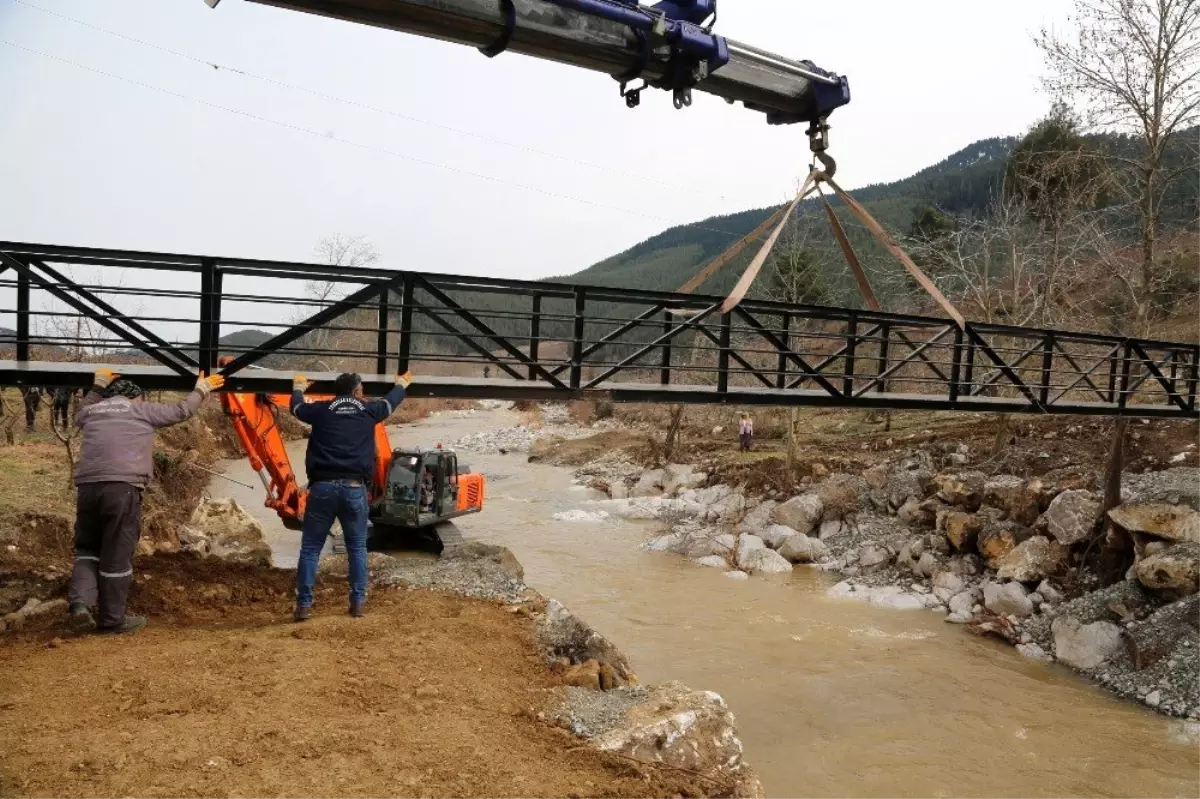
point(159, 318)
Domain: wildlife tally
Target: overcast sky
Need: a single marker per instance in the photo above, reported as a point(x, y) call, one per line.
point(90, 160)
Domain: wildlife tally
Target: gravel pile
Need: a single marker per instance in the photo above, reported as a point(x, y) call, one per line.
point(473, 569)
point(516, 439)
point(589, 713)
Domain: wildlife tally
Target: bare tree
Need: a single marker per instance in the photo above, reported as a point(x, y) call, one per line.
point(1133, 66)
point(336, 250)
point(340, 250)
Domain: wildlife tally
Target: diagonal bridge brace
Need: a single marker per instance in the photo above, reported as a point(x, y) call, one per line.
point(1004, 367)
point(787, 352)
point(693, 321)
point(482, 327)
point(100, 318)
point(918, 353)
point(1152, 367)
point(317, 320)
point(113, 312)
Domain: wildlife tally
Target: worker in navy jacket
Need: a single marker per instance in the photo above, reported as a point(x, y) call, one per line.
point(340, 461)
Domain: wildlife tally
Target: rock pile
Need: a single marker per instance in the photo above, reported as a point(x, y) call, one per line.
point(986, 551)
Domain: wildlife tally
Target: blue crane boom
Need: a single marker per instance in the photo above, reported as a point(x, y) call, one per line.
point(669, 46)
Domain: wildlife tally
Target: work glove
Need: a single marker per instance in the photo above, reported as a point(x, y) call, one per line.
point(206, 385)
point(404, 380)
point(300, 383)
point(104, 377)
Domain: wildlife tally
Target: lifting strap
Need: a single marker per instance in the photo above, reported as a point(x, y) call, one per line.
point(780, 218)
point(860, 276)
point(887, 241)
point(704, 274)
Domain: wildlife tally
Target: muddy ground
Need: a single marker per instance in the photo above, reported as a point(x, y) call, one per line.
point(428, 695)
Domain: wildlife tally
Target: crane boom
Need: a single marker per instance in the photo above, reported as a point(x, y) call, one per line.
point(665, 45)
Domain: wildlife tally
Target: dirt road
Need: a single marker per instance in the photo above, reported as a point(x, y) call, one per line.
point(428, 695)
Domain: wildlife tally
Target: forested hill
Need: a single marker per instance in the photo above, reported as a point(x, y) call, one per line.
point(962, 183)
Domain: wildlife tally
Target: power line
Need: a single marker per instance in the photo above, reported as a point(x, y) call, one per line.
point(356, 104)
point(351, 142)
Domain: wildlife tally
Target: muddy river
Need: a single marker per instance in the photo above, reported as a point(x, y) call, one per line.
point(833, 697)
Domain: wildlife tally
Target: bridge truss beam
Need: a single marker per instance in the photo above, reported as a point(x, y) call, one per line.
point(163, 316)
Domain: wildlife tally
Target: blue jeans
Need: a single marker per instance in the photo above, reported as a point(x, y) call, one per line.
point(348, 504)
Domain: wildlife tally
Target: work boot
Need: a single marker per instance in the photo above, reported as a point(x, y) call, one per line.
point(301, 614)
point(129, 624)
point(79, 618)
point(357, 608)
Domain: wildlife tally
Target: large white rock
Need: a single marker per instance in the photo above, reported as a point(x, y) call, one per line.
point(1172, 522)
point(683, 729)
point(678, 477)
point(1084, 646)
point(1174, 571)
point(650, 484)
point(708, 542)
point(799, 548)
point(759, 518)
point(1035, 558)
point(960, 604)
point(667, 542)
point(231, 532)
point(949, 581)
point(774, 535)
point(713, 561)
point(801, 513)
point(1071, 516)
point(1007, 599)
point(753, 556)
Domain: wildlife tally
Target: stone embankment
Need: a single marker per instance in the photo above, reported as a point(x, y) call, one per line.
point(998, 553)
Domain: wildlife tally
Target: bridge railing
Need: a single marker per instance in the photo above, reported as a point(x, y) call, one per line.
point(482, 336)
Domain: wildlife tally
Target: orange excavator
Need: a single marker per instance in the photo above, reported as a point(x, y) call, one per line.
point(412, 491)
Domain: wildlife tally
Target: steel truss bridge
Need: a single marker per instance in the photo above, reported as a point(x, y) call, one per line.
point(159, 318)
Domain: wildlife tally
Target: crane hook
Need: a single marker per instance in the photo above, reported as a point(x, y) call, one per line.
point(818, 142)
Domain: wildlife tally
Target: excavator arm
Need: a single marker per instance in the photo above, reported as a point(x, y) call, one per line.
point(255, 419)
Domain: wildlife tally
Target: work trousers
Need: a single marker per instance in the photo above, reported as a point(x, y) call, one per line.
point(31, 405)
point(108, 523)
point(744, 441)
point(346, 501)
point(59, 415)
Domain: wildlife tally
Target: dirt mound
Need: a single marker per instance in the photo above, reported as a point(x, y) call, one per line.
point(578, 451)
point(428, 695)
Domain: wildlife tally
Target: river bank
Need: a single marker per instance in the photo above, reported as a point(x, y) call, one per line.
point(499, 691)
point(919, 529)
point(833, 698)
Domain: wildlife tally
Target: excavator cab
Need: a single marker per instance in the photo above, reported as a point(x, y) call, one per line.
point(426, 487)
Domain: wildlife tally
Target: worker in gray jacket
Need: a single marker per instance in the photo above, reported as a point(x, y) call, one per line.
point(115, 464)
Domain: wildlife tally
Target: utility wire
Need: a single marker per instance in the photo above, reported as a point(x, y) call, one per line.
point(356, 104)
point(352, 143)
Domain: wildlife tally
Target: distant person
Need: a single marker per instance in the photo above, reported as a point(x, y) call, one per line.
point(60, 408)
point(745, 433)
point(487, 372)
point(340, 461)
point(33, 398)
point(115, 463)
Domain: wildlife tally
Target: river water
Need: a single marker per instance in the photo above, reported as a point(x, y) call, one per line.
point(833, 697)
